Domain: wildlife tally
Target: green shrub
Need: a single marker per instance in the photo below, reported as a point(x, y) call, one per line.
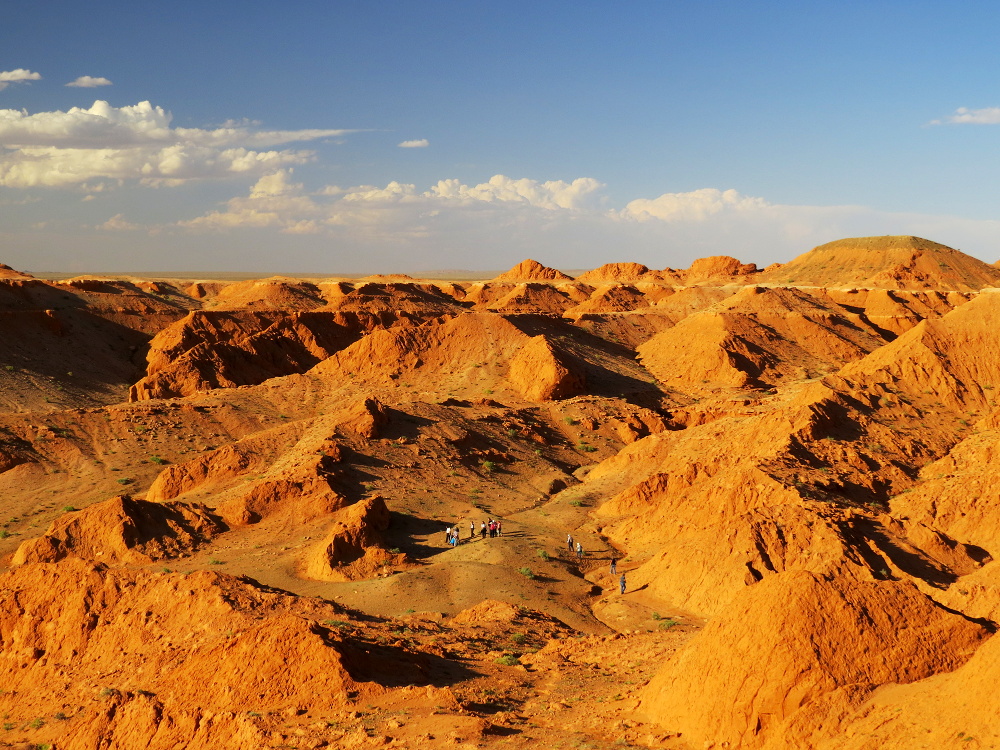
point(668, 623)
point(508, 660)
point(489, 466)
point(519, 638)
point(526, 572)
point(542, 555)
point(68, 509)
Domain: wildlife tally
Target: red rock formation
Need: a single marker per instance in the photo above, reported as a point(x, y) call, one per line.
point(172, 653)
point(532, 270)
point(363, 418)
point(756, 338)
point(956, 709)
point(886, 263)
point(719, 269)
point(439, 350)
point(619, 273)
point(276, 293)
point(353, 548)
point(216, 467)
point(124, 530)
point(6, 272)
point(791, 640)
point(540, 373)
point(209, 350)
point(611, 298)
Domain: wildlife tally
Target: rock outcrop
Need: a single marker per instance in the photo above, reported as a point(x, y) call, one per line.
point(532, 270)
point(788, 643)
point(123, 530)
point(353, 547)
point(540, 373)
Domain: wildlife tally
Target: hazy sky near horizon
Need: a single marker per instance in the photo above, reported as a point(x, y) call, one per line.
point(399, 136)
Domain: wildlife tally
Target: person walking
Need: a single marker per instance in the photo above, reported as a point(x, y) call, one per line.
point(472, 530)
point(569, 543)
point(621, 583)
point(579, 551)
point(482, 530)
point(447, 535)
point(499, 527)
point(614, 566)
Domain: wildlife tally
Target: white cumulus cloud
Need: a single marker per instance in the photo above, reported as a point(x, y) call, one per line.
point(696, 205)
point(18, 75)
point(966, 116)
point(138, 142)
point(552, 195)
point(274, 201)
point(421, 143)
point(118, 223)
point(89, 82)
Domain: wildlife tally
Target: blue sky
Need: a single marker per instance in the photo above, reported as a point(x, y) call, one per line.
point(576, 133)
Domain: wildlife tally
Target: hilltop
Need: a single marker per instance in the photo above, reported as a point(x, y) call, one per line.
point(886, 263)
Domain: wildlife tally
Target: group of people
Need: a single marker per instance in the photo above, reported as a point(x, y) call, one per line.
point(492, 526)
point(569, 547)
point(622, 583)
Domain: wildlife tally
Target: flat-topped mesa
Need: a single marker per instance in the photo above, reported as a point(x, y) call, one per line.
point(532, 270)
point(890, 262)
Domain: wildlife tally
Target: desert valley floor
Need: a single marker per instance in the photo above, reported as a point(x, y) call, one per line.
point(223, 507)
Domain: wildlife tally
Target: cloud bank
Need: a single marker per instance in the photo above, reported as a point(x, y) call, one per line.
point(394, 210)
point(422, 143)
point(494, 224)
point(64, 149)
